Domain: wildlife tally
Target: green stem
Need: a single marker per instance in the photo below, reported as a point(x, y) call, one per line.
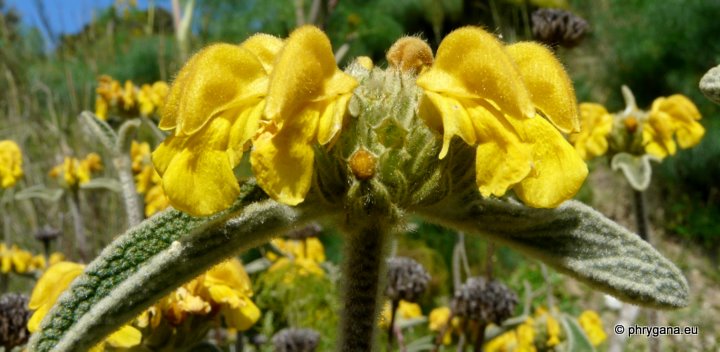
point(129, 193)
point(641, 216)
point(81, 242)
point(391, 326)
point(643, 228)
point(364, 254)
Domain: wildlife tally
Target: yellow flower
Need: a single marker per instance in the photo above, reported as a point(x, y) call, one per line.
point(674, 116)
point(522, 339)
point(10, 163)
point(438, 319)
point(408, 310)
point(595, 126)
point(155, 198)
point(151, 97)
point(73, 172)
point(21, 259)
point(147, 180)
point(56, 257)
point(553, 331)
point(213, 108)
point(128, 95)
point(592, 325)
point(48, 289)
point(101, 108)
point(38, 262)
point(225, 289)
point(5, 259)
point(229, 285)
point(306, 104)
point(299, 267)
point(510, 102)
point(309, 248)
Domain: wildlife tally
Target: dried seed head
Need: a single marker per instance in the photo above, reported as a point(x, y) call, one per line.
point(558, 27)
point(406, 279)
point(296, 340)
point(489, 302)
point(14, 317)
point(410, 54)
point(47, 233)
point(311, 230)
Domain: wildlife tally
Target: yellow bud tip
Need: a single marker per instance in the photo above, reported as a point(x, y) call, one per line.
point(365, 62)
point(362, 165)
point(410, 54)
point(631, 124)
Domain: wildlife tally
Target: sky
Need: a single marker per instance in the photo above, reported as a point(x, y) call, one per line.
point(67, 16)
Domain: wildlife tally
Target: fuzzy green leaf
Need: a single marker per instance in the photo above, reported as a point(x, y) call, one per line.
point(576, 240)
point(710, 84)
point(152, 259)
point(100, 129)
point(577, 340)
point(125, 136)
point(107, 183)
point(40, 192)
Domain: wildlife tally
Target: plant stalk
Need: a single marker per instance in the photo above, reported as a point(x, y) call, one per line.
point(129, 193)
point(81, 242)
point(364, 261)
point(643, 228)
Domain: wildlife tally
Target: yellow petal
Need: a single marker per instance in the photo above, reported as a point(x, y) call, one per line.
point(243, 317)
point(331, 120)
point(501, 160)
point(126, 337)
point(218, 78)
point(305, 72)
point(265, 47)
point(472, 63)
point(229, 273)
point(558, 171)
point(690, 134)
point(283, 163)
point(200, 183)
point(596, 125)
point(550, 88)
point(48, 289)
point(454, 117)
point(53, 282)
point(684, 115)
point(657, 135)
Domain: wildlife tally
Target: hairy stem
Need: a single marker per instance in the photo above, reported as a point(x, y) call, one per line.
point(391, 327)
point(641, 216)
point(643, 228)
point(81, 242)
point(129, 193)
point(364, 254)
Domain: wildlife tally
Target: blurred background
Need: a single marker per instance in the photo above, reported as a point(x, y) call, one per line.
point(52, 54)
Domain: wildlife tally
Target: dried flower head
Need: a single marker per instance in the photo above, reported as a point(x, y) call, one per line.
point(558, 27)
point(14, 316)
point(296, 340)
point(406, 279)
point(482, 300)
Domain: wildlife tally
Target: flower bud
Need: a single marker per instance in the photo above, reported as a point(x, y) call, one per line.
point(410, 54)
